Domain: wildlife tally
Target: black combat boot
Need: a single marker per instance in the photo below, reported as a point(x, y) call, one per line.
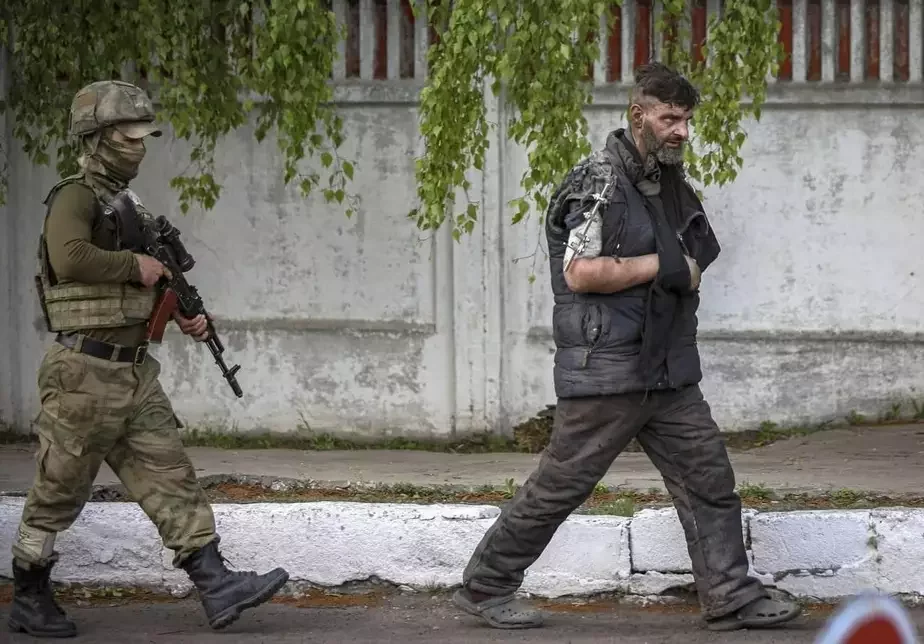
point(34, 610)
point(224, 594)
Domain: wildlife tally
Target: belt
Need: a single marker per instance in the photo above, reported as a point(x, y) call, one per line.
point(104, 350)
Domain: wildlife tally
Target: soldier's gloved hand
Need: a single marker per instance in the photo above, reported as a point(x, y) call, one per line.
point(197, 327)
point(151, 270)
point(695, 274)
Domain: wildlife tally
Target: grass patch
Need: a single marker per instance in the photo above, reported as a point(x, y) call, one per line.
point(769, 433)
point(755, 492)
point(854, 419)
point(603, 501)
point(477, 444)
point(623, 506)
point(10, 437)
point(530, 436)
point(621, 503)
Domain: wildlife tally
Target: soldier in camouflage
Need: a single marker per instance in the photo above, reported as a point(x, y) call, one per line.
point(100, 395)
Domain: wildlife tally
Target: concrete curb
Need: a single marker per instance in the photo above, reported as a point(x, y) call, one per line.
point(817, 555)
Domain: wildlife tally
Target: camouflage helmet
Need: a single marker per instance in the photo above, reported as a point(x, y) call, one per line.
point(116, 103)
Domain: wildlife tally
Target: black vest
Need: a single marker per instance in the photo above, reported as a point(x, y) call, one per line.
point(598, 336)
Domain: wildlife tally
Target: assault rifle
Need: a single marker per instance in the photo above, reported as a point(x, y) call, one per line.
point(157, 237)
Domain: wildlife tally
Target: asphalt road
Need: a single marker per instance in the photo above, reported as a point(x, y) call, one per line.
point(404, 620)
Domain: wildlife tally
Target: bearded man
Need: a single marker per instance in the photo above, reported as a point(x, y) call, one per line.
point(626, 281)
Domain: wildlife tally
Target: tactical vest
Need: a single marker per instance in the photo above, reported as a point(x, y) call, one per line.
point(74, 306)
point(598, 335)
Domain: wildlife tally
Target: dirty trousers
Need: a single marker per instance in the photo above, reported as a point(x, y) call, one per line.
point(94, 410)
point(679, 435)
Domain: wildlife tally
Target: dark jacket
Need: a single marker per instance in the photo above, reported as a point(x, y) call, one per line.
point(598, 337)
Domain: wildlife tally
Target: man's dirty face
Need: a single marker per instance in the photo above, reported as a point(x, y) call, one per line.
point(665, 130)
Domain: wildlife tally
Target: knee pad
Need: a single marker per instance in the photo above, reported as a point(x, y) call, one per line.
point(34, 545)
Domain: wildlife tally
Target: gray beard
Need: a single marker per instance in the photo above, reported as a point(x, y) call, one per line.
point(664, 154)
point(671, 156)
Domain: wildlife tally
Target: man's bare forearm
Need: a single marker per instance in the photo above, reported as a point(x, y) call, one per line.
point(610, 274)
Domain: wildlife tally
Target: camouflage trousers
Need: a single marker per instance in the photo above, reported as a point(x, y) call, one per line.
point(94, 410)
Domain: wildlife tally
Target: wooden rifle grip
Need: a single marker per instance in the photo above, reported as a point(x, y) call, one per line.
point(163, 313)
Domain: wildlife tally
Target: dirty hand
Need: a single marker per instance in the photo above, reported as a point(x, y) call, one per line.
point(151, 270)
point(197, 327)
point(695, 274)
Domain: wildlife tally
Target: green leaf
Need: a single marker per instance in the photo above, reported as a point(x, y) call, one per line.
point(522, 48)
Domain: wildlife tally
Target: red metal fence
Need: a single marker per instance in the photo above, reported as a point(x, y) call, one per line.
point(641, 50)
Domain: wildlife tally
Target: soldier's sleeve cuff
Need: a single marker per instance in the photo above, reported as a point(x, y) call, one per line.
point(135, 271)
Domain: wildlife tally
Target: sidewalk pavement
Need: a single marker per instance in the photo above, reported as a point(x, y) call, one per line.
point(885, 460)
point(818, 555)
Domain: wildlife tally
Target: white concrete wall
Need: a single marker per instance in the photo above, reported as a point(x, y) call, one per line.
point(9, 359)
point(368, 326)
